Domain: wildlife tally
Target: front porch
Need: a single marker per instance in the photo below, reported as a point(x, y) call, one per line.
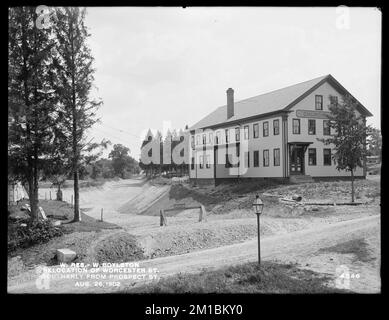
point(296, 151)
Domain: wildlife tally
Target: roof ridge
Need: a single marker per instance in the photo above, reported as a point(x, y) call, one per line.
point(262, 94)
point(283, 88)
point(275, 100)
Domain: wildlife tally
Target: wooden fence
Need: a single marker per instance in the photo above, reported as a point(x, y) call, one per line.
point(180, 207)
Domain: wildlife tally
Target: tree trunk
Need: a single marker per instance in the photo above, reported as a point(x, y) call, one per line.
point(352, 185)
point(59, 193)
point(36, 198)
point(33, 199)
point(77, 216)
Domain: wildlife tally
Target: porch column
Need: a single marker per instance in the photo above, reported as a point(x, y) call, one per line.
point(285, 149)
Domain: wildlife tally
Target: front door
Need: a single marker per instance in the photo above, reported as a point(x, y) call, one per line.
point(296, 160)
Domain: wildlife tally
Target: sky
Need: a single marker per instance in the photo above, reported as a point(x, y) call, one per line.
point(169, 67)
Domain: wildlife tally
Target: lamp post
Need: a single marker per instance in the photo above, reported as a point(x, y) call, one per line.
point(258, 207)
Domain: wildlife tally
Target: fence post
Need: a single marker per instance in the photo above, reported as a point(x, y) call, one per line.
point(102, 212)
point(202, 213)
point(162, 220)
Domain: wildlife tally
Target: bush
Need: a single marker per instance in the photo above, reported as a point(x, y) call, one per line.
point(31, 233)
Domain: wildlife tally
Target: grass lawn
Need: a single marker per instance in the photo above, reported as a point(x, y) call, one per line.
point(64, 211)
point(58, 210)
point(271, 277)
point(77, 236)
point(357, 247)
point(81, 183)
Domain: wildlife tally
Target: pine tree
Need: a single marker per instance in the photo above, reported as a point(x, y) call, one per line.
point(147, 167)
point(31, 99)
point(73, 64)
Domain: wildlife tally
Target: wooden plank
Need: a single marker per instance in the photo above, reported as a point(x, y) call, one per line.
point(163, 220)
point(202, 213)
point(182, 208)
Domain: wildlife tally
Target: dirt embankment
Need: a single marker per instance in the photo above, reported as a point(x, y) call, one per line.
point(300, 247)
point(226, 198)
point(229, 218)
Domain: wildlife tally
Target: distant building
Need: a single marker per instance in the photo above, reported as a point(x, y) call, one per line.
point(273, 135)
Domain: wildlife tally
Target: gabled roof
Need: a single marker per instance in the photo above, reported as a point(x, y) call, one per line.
point(274, 101)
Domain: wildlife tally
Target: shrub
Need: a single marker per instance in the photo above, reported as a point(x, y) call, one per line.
point(31, 233)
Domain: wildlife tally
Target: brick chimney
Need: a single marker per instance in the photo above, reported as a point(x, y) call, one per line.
point(230, 103)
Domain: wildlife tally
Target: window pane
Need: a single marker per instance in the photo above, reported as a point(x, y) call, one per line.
point(208, 161)
point(247, 159)
point(265, 158)
point(318, 102)
point(327, 157)
point(256, 130)
point(312, 157)
point(311, 126)
point(276, 157)
point(276, 127)
point(237, 134)
point(256, 158)
point(326, 128)
point(265, 129)
point(246, 132)
point(296, 126)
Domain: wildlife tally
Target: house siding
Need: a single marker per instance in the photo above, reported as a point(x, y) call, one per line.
point(308, 103)
point(270, 142)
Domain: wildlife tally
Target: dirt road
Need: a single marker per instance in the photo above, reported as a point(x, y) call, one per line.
point(300, 246)
point(110, 197)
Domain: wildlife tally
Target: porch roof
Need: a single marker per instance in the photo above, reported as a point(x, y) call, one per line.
point(302, 143)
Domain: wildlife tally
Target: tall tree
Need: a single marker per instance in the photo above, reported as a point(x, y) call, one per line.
point(147, 167)
point(120, 159)
point(166, 160)
point(73, 63)
point(349, 136)
point(31, 101)
point(158, 138)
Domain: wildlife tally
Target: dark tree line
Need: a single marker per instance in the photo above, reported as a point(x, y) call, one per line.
point(119, 164)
